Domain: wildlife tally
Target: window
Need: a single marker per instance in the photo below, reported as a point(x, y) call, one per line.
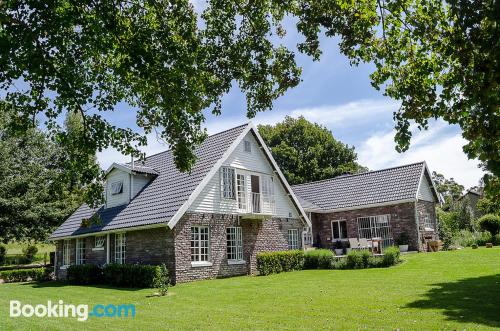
point(228, 183)
point(293, 239)
point(428, 222)
point(199, 244)
point(234, 244)
point(376, 227)
point(80, 251)
point(339, 230)
point(248, 146)
point(268, 189)
point(66, 252)
point(99, 242)
point(120, 248)
point(242, 191)
point(116, 188)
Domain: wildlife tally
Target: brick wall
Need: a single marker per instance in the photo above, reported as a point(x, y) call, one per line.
point(258, 236)
point(426, 235)
point(402, 219)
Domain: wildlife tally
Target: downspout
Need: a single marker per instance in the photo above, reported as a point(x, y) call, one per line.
point(418, 225)
point(107, 249)
point(55, 261)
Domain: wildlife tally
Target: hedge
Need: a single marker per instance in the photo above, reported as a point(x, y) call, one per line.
point(276, 262)
point(24, 275)
point(319, 259)
point(84, 274)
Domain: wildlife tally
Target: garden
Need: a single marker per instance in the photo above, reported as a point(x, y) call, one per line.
point(428, 291)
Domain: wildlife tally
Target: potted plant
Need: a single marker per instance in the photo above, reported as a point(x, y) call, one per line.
point(339, 248)
point(403, 241)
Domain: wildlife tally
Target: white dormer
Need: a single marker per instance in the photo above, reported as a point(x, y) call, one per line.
point(123, 183)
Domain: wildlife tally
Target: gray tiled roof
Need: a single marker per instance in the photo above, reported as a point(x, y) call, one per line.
point(162, 197)
point(138, 167)
point(374, 187)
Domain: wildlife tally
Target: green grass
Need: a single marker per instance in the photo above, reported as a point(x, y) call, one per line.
point(17, 248)
point(454, 290)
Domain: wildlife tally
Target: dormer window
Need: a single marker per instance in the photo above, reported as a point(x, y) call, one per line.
point(116, 187)
point(248, 146)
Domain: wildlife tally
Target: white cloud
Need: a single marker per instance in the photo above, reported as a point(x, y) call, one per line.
point(110, 155)
point(442, 152)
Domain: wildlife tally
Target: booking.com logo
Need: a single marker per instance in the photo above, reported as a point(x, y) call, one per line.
point(60, 309)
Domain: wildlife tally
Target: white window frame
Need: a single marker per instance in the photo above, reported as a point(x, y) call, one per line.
point(200, 245)
point(117, 187)
point(234, 240)
point(228, 181)
point(80, 251)
point(427, 221)
point(120, 247)
point(66, 260)
point(99, 243)
point(339, 234)
point(241, 191)
point(247, 146)
point(293, 239)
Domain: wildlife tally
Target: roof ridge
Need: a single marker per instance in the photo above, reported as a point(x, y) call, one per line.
point(210, 136)
point(359, 174)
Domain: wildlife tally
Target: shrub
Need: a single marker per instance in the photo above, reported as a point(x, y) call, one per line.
point(276, 262)
point(84, 274)
point(318, 259)
point(490, 223)
point(162, 281)
point(358, 259)
point(390, 257)
point(339, 264)
point(3, 252)
point(23, 275)
point(30, 252)
point(131, 275)
point(466, 238)
point(375, 262)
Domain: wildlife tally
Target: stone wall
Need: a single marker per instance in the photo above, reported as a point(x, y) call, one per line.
point(402, 220)
point(426, 235)
point(258, 236)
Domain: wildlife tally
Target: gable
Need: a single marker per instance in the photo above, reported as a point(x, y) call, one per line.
point(425, 191)
point(245, 163)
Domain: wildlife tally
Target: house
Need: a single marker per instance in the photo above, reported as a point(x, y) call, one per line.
point(208, 223)
point(377, 204)
point(471, 198)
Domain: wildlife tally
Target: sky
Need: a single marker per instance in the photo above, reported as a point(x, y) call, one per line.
point(340, 97)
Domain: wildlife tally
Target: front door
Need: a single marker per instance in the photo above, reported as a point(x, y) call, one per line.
point(255, 185)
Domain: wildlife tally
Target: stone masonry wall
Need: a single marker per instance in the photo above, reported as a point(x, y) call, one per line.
point(258, 236)
point(402, 219)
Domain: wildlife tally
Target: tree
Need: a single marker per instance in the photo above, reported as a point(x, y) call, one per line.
point(439, 58)
point(307, 151)
point(448, 188)
point(34, 198)
point(490, 223)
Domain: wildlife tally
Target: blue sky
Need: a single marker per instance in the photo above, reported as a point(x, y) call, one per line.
point(340, 97)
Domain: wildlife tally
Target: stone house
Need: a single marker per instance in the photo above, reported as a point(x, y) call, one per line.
point(208, 223)
point(380, 204)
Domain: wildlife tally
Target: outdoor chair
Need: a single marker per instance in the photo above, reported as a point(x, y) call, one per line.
point(354, 243)
point(363, 243)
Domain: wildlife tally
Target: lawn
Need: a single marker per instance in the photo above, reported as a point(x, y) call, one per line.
point(446, 290)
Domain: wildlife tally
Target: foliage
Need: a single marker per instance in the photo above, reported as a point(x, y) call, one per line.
point(467, 238)
point(358, 259)
point(30, 252)
point(23, 275)
point(448, 188)
point(162, 282)
point(490, 223)
point(465, 215)
point(84, 274)
point(131, 275)
point(447, 226)
point(3, 252)
point(34, 197)
point(390, 257)
point(282, 261)
point(488, 206)
point(307, 151)
point(319, 259)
